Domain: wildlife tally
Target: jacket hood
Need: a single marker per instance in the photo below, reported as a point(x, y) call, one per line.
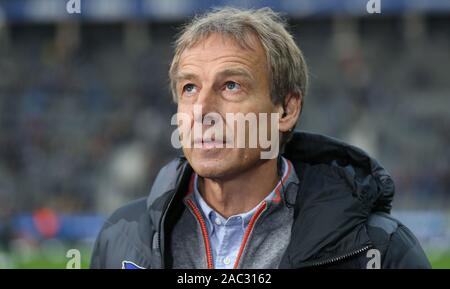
point(340, 186)
point(371, 183)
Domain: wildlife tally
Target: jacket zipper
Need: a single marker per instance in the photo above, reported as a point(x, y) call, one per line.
point(196, 212)
point(249, 230)
point(340, 258)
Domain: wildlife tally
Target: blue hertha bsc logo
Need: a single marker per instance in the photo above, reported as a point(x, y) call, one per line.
point(130, 265)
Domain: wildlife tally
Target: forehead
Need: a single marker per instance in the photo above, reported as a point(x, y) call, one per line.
point(224, 50)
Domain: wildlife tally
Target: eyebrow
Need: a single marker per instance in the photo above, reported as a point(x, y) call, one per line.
point(224, 73)
point(235, 72)
point(185, 76)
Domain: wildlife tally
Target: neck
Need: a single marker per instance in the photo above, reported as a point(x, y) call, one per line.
point(241, 193)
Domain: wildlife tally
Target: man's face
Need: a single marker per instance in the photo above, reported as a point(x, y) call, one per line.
point(223, 77)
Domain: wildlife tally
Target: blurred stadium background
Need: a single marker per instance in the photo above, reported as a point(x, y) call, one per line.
point(85, 109)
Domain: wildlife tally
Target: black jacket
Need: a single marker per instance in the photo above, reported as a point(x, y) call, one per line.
point(341, 215)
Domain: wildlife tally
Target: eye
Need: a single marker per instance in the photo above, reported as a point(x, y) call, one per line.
point(189, 88)
point(233, 86)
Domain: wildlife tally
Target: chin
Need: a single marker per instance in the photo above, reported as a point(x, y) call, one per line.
point(211, 168)
point(220, 163)
point(206, 165)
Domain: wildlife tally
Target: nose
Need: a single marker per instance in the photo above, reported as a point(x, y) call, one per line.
point(208, 101)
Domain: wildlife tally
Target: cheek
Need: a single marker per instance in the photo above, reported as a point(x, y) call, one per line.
point(184, 115)
point(183, 108)
point(255, 108)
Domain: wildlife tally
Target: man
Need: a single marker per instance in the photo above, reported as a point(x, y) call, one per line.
point(320, 202)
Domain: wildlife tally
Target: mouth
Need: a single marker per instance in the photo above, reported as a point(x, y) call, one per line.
point(209, 144)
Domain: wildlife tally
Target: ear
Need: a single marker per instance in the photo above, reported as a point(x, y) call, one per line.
point(290, 111)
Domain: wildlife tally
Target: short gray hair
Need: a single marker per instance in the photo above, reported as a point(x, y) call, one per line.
point(287, 67)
